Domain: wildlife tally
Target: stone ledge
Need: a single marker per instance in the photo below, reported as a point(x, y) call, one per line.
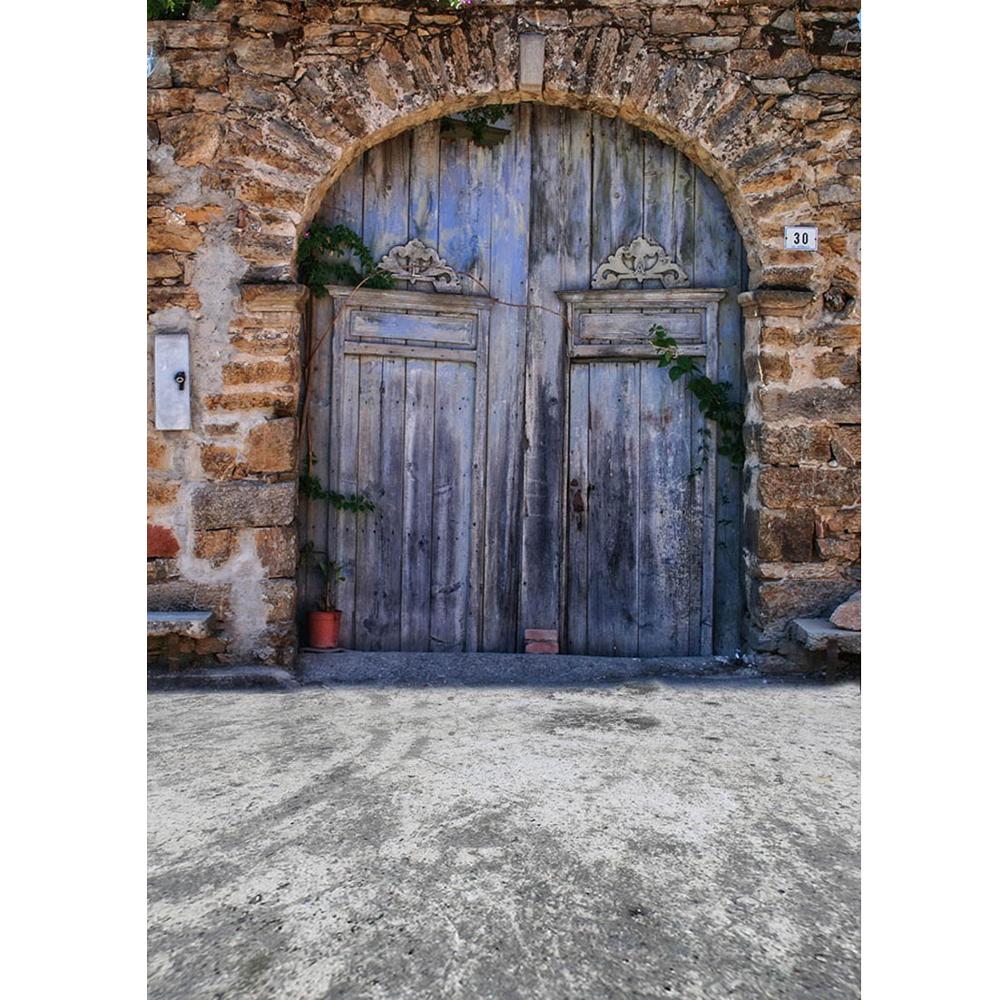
point(190, 624)
point(815, 633)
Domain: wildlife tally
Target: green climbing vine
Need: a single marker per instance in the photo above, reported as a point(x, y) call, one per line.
point(715, 399)
point(479, 119)
point(316, 270)
point(174, 10)
point(312, 489)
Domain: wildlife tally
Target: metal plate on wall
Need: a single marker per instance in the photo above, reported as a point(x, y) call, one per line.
point(172, 380)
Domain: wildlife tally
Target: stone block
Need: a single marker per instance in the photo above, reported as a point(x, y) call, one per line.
point(215, 546)
point(773, 602)
point(197, 68)
point(794, 445)
point(842, 521)
point(838, 364)
point(279, 598)
point(847, 445)
point(801, 107)
point(255, 372)
point(680, 23)
point(158, 570)
point(157, 452)
point(784, 486)
point(278, 551)
point(182, 595)
point(161, 543)
point(840, 548)
point(785, 536)
point(163, 265)
point(280, 400)
point(711, 44)
point(759, 63)
point(271, 446)
point(775, 367)
point(814, 634)
point(194, 34)
point(220, 463)
point(830, 83)
point(243, 505)
point(837, 405)
point(160, 493)
point(262, 56)
point(161, 236)
point(848, 614)
point(384, 15)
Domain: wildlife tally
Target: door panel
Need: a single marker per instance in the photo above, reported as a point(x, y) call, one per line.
point(640, 479)
point(411, 427)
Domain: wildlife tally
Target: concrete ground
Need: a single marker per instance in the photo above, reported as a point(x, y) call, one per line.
point(652, 838)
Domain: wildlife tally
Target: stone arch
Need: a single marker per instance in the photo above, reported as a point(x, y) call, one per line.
point(336, 113)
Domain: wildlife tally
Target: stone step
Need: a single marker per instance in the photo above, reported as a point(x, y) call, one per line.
point(814, 634)
point(190, 624)
point(352, 667)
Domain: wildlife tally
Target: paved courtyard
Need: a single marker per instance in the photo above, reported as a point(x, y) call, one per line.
point(682, 838)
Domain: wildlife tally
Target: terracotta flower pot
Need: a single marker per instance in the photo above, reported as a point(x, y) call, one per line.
point(324, 629)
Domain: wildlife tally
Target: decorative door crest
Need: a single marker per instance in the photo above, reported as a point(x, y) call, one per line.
point(641, 260)
point(417, 262)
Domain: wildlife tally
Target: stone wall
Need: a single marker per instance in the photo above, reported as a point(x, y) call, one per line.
point(255, 108)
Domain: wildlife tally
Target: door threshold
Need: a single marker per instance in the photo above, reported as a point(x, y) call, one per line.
point(355, 667)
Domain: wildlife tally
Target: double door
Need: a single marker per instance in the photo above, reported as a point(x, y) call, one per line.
point(531, 465)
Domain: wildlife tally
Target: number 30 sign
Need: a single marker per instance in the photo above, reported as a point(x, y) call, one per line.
point(801, 237)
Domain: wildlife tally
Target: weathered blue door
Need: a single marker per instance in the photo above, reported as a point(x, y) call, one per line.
point(541, 474)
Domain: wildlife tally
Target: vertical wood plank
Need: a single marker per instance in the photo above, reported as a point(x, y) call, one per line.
point(578, 497)
point(389, 515)
point(367, 613)
point(658, 191)
point(418, 507)
point(662, 493)
point(453, 446)
point(465, 210)
point(387, 197)
point(425, 175)
point(617, 203)
point(612, 612)
point(505, 398)
point(344, 443)
point(682, 213)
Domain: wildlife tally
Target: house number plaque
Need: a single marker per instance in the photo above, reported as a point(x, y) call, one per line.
point(801, 238)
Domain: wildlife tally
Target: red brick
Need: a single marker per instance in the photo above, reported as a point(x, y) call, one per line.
point(161, 543)
point(542, 647)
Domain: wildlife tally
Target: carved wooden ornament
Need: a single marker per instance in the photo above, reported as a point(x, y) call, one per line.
point(416, 261)
point(641, 260)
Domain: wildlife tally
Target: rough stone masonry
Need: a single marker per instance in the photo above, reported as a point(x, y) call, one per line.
point(256, 107)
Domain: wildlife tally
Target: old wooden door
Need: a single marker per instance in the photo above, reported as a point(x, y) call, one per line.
point(479, 408)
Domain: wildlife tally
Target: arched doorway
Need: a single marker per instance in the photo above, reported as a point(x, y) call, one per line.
point(531, 466)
